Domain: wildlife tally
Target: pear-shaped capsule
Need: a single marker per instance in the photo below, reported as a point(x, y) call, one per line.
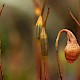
point(72, 50)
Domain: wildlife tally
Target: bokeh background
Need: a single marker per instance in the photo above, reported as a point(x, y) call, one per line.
point(16, 28)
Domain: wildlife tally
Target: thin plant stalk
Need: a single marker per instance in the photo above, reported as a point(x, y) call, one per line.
point(74, 18)
point(44, 24)
point(1, 71)
point(58, 59)
point(38, 58)
point(2, 9)
point(57, 55)
point(45, 68)
point(42, 10)
point(45, 73)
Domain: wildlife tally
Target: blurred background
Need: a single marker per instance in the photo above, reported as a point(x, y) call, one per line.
point(16, 28)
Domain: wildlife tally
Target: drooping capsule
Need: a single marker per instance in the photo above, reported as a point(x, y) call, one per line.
point(44, 42)
point(72, 50)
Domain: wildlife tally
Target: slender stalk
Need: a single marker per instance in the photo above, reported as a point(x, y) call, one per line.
point(44, 24)
point(39, 69)
point(2, 9)
point(57, 55)
point(2, 75)
point(42, 10)
point(45, 68)
point(58, 59)
point(74, 18)
point(38, 58)
point(1, 71)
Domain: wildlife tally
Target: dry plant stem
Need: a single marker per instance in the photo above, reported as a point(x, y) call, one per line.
point(42, 11)
point(39, 69)
point(59, 65)
point(46, 73)
point(38, 58)
point(1, 71)
point(45, 67)
point(74, 18)
point(57, 55)
point(44, 24)
point(2, 75)
point(2, 9)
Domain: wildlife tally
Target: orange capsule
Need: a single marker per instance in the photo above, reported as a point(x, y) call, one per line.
point(72, 50)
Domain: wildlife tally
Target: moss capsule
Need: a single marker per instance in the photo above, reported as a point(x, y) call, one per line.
point(38, 27)
point(72, 50)
point(44, 42)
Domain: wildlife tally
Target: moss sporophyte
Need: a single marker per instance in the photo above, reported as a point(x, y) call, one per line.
point(42, 42)
point(44, 45)
point(38, 28)
point(72, 49)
